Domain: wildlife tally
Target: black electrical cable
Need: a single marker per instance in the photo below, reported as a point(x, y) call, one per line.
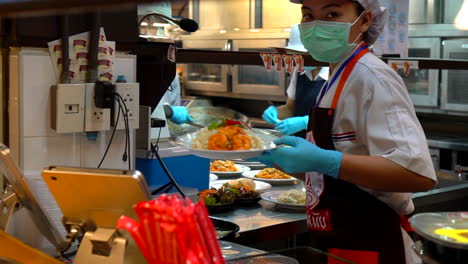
point(127, 130)
point(124, 109)
point(124, 158)
point(110, 140)
point(150, 153)
point(157, 140)
point(126, 148)
point(168, 173)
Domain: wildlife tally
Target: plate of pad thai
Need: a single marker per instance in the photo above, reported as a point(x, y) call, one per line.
point(227, 139)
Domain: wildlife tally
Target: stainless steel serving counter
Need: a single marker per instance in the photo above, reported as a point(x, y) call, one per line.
point(235, 253)
point(448, 142)
point(265, 221)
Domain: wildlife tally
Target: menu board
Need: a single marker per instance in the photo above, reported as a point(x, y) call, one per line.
point(394, 38)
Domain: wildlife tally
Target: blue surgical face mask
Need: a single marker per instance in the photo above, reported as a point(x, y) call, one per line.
point(327, 41)
point(310, 68)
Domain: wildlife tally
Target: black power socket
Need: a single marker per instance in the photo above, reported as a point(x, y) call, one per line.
point(104, 94)
point(158, 122)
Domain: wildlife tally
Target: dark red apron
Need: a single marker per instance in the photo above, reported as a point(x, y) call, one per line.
point(345, 220)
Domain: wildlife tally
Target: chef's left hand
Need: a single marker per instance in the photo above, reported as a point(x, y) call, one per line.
point(299, 155)
point(180, 115)
point(292, 125)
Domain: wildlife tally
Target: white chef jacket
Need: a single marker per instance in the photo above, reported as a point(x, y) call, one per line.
point(291, 91)
point(375, 117)
point(172, 95)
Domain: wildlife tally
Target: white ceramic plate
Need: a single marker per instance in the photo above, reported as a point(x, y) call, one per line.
point(267, 136)
point(254, 165)
point(213, 177)
point(230, 174)
point(259, 186)
point(251, 175)
point(272, 196)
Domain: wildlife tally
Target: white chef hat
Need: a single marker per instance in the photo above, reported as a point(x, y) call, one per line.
point(379, 18)
point(295, 39)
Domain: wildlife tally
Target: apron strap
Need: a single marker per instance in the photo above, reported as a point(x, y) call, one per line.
point(346, 73)
point(405, 224)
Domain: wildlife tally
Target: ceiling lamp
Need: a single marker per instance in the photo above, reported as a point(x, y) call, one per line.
point(461, 20)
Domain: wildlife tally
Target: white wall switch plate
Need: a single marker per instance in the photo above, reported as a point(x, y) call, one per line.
point(96, 119)
point(130, 93)
point(68, 105)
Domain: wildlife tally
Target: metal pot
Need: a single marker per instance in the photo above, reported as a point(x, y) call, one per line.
point(441, 237)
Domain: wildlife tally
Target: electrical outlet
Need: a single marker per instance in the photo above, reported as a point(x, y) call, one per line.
point(96, 119)
point(130, 93)
point(67, 108)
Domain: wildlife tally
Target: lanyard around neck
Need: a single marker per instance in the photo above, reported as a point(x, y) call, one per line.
point(327, 85)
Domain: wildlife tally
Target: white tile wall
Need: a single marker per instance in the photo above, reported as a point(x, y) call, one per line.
point(36, 145)
point(39, 152)
point(37, 76)
point(92, 151)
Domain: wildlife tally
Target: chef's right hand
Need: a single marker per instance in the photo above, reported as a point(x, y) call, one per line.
point(270, 115)
point(297, 155)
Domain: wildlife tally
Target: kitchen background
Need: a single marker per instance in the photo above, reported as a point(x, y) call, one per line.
point(440, 96)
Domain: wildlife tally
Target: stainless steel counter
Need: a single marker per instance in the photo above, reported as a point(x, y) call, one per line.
point(265, 221)
point(235, 253)
point(448, 142)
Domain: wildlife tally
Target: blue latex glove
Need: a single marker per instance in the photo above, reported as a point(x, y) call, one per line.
point(299, 155)
point(180, 115)
point(292, 125)
point(270, 115)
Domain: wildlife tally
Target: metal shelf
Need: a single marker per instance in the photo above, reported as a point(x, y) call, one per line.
point(239, 96)
point(253, 58)
point(28, 7)
point(229, 57)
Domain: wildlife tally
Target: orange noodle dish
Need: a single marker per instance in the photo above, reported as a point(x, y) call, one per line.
point(272, 173)
point(223, 165)
point(226, 135)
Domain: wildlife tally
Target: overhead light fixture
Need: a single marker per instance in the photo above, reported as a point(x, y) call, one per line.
point(236, 29)
point(461, 20)
point(254, 30)
point(222, 31)
point(144, 24)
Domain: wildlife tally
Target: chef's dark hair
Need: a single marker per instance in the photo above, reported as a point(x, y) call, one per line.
point(359, 8)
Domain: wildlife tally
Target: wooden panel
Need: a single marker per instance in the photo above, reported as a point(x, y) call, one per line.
point(12, 7)
point(280, 14)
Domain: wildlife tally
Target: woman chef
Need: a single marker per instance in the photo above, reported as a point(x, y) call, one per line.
point(302, 92)
point(365, 151)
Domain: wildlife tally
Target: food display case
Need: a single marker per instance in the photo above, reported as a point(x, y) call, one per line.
point(423, 84)
point(206, 77)
point(253, 79)
point(454, 94)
